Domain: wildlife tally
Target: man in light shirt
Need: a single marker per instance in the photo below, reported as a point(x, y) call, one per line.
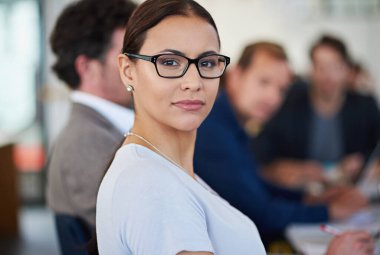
point(86, 40)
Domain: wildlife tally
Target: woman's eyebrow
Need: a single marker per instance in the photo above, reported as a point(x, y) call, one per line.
point(206, 53)
point(177, 52)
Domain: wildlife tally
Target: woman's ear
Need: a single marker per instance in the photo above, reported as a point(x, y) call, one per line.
point(126, 67)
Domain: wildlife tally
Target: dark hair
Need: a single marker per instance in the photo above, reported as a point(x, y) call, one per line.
point(151, 12)
point(85, 28)
point(333, 43)
point(272, 49)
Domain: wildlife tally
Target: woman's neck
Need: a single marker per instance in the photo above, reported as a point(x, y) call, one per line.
point(175, 145)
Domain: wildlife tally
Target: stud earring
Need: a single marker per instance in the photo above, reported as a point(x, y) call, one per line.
point(130, 88)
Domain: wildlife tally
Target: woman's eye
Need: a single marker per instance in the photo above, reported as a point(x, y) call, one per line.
point(169, 62)
point(208, 63)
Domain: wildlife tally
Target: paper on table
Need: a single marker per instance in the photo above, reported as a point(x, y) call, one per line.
point(308, 239)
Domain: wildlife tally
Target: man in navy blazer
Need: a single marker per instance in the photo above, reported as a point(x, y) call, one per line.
point(254, 89)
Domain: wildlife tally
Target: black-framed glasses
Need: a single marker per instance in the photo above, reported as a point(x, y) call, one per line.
point(169, 65)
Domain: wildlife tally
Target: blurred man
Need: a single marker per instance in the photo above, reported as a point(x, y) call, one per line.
point(322, 131)
point(254, 89)
point(86, 40)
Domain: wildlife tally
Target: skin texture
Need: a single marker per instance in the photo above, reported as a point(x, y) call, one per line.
point(258, 91)
point(158, 118)
point(154, 96)
point(101, 78)
point(352, 243)
point(159, 115)
point(329, 74)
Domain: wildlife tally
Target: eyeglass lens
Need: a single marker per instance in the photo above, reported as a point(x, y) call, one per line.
point(172, 65)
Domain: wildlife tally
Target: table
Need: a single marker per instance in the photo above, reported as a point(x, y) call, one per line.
point(308, 239)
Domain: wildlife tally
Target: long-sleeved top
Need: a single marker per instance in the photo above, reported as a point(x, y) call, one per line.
point(224, 160)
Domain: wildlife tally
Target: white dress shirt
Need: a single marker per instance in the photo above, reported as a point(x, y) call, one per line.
point(121, 117)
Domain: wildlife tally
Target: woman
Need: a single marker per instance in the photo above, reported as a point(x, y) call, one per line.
point(150, 201)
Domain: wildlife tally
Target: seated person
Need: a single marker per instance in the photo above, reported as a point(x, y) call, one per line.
point(86, 48)
point(255, 89)
point(320, 126)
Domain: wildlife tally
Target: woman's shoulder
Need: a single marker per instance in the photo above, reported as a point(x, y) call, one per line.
point(136, 169)
point(136, 182)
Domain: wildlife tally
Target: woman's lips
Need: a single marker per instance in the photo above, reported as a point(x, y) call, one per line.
point(189, 105)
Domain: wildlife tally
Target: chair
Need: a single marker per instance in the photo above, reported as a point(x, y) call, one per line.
point(73, 234)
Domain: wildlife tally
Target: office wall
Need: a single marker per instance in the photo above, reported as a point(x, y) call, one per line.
point(54, 93)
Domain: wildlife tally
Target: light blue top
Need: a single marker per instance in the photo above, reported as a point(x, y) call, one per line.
point(326, 140)
point(146, 205)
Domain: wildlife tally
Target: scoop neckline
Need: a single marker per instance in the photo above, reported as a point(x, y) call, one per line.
point(161, 158)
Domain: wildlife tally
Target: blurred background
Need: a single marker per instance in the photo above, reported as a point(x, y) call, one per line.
point(34, 103)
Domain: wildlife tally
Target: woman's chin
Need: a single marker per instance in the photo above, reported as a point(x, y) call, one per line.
point(188, 126)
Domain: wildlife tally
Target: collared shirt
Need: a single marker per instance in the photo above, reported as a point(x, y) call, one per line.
point(121, 117)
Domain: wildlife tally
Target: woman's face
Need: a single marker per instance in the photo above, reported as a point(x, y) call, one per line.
point(178, 103)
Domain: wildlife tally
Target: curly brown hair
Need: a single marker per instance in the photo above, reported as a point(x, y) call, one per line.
point(85, 28)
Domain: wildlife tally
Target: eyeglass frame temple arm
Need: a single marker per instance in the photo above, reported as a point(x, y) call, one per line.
point(139, 56)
